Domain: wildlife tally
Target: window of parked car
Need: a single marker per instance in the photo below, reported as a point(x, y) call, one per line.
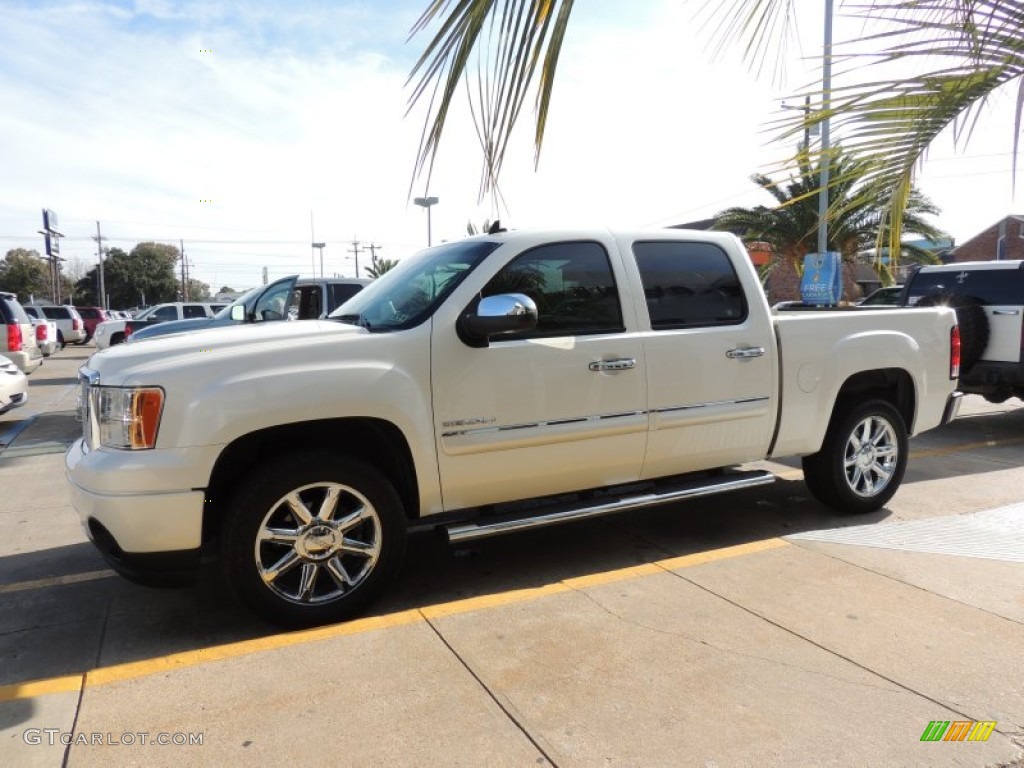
point(193, 310)
point(342, 292)
point(689, 285)
point(572, 285)
point(59, 313)
point(169, 312)
point(991, 286)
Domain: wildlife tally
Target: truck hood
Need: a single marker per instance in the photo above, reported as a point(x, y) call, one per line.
point(214, 346)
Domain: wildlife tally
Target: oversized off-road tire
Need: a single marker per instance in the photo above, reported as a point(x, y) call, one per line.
point(973, 322)
point(862, 460)
point(312, 538)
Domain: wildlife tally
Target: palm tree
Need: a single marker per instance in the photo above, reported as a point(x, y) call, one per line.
point(379, 266)
point(791, 225)
point(964, 51)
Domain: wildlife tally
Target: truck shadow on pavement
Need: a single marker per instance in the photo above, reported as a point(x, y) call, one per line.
point(53, 626)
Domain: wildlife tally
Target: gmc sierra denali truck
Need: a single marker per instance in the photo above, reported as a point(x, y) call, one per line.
point(494, 384)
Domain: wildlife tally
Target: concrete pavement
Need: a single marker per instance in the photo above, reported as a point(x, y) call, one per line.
point(698, 634)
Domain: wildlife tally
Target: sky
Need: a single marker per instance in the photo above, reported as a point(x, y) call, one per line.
point(247, 129)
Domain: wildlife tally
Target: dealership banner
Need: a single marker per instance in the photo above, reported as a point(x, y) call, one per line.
point(822, 283)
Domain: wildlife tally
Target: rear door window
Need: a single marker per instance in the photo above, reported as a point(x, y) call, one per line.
point(688, 284)
point(194, 310)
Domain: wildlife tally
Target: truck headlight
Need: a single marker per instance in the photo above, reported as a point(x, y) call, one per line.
point(129, 418)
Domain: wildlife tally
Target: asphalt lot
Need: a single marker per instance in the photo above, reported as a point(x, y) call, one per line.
point(753, 629)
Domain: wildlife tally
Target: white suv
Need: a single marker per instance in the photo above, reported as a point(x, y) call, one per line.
point(988, 297)
point(18, 335)
point(70, 325)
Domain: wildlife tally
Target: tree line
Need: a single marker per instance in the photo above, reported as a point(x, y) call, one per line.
point(145, 275)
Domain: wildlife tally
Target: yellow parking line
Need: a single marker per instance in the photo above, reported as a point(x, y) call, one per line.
point(175, 661)
point(964, 447)
point(31, 690)
point(74, 578)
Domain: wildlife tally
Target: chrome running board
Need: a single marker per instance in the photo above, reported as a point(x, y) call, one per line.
point(682, 488)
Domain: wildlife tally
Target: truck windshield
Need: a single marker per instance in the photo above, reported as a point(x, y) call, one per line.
point(408, 294)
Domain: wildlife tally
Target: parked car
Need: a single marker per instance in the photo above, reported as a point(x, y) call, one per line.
point(13, 386)
point(112, 332)
point(70, 326)
point(92, 316)
point(302, 299)
point(46, 335)
point(18, 335)
point(888, 296)
point(988, 297)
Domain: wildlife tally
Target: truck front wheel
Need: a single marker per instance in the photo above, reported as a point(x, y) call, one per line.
point(312, 538)
point(862, 460)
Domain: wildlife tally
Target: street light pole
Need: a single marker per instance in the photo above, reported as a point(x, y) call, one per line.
point(427, 202)
point(826, 104)
point(320, 247)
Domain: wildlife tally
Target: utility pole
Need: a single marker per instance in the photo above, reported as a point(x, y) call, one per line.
point(99, 255)
point(184, 278)
point(373, 248)
point(826, 105)
point(355, 250)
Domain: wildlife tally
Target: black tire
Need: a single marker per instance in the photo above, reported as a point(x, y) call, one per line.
point(329, 567)
point(117, 338)
point(973, 322)
point(836, 474)
point(60, 340)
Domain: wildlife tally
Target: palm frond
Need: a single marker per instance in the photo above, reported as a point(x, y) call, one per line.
point(967, 49)
point(508, 41)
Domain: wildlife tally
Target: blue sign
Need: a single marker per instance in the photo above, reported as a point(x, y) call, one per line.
point(822, 283)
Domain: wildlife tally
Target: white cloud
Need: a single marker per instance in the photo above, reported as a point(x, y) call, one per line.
point(119, 114)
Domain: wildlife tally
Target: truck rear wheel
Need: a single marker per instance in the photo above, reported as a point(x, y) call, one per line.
point(312, 538)
point(861, 462)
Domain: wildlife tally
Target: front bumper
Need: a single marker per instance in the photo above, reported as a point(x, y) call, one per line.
point(149, 537)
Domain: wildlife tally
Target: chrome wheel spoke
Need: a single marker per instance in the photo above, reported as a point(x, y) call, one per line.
point(282, 566)
point(369, 550)
point(307, 580)
point(353, 519)
point(286, 536)
point(338, 572)
point(298, 508)
point(330, 503)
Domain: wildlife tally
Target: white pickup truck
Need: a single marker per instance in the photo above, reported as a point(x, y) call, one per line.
point(499, 383)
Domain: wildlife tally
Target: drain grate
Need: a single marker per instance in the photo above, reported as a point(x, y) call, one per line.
point(995, 534)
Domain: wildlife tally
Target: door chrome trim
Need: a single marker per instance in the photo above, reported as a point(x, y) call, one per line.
point(716, 403)
point(548, 423)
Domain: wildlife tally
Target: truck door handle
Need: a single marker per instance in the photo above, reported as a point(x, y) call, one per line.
point(620, 364)
point(745, 352)
point(1005, 312)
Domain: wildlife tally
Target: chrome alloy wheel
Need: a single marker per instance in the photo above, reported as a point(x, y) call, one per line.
point(872, 453)
point(317, 543)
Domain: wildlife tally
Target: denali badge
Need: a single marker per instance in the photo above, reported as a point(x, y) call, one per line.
point(469, 422)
